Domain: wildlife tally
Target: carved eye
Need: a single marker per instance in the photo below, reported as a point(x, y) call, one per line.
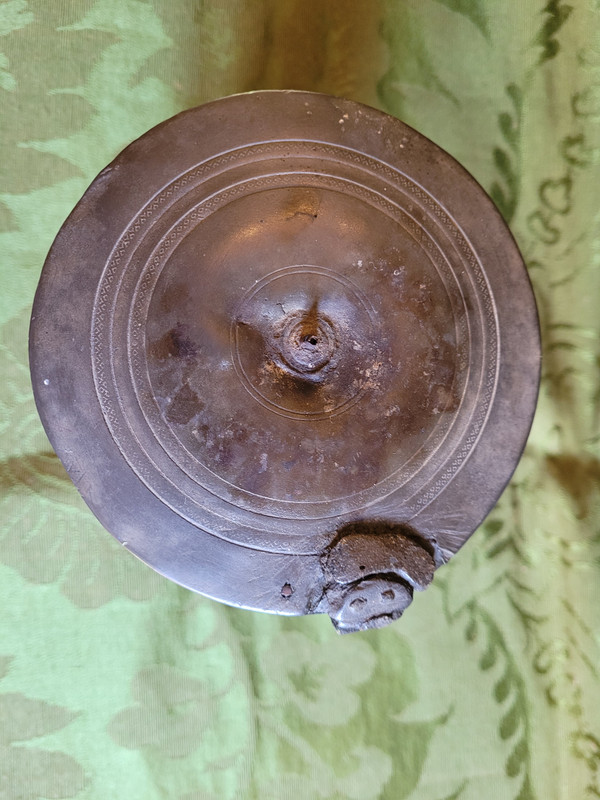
point(358, 603)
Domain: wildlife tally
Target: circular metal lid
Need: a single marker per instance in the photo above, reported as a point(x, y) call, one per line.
point(288, 352)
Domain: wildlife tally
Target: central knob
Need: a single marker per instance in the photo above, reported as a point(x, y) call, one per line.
point(307, 342)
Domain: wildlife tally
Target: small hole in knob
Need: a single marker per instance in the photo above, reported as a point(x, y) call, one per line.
point(311, 339)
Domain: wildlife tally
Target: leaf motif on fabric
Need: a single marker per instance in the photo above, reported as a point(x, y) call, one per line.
point(576, 151)
point(173, 714)
point(475, 10)
point(29, 773)
point(312, 678)
point(587, 747)
point(177, 714)
point(14, 15)
point(507, 158)
point(48, 533)
point(20, 428)
point(403, 34)
point(586, 103)
point(24, 718)
point(390, 711)
point(362, 773)
point(7, 81)
point(555, 194)
point(540, 225)
point(114, 100)
point(545, 603)
point(413, 741)
point(333, 709)
point(5, 662)
point(509, 692)
point(369, 768)
point(556, 14)
point(116, 86)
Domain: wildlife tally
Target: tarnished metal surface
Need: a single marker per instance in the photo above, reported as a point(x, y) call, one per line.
point(288, 352)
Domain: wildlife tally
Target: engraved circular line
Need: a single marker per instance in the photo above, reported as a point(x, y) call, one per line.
point(177, 442)
point(130, 234)
point(182, 224)
point(217, 476)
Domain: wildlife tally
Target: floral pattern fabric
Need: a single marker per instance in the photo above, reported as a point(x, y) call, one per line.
point(115, 682)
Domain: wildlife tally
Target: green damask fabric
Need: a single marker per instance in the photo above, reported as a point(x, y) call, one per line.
point(117, 683)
